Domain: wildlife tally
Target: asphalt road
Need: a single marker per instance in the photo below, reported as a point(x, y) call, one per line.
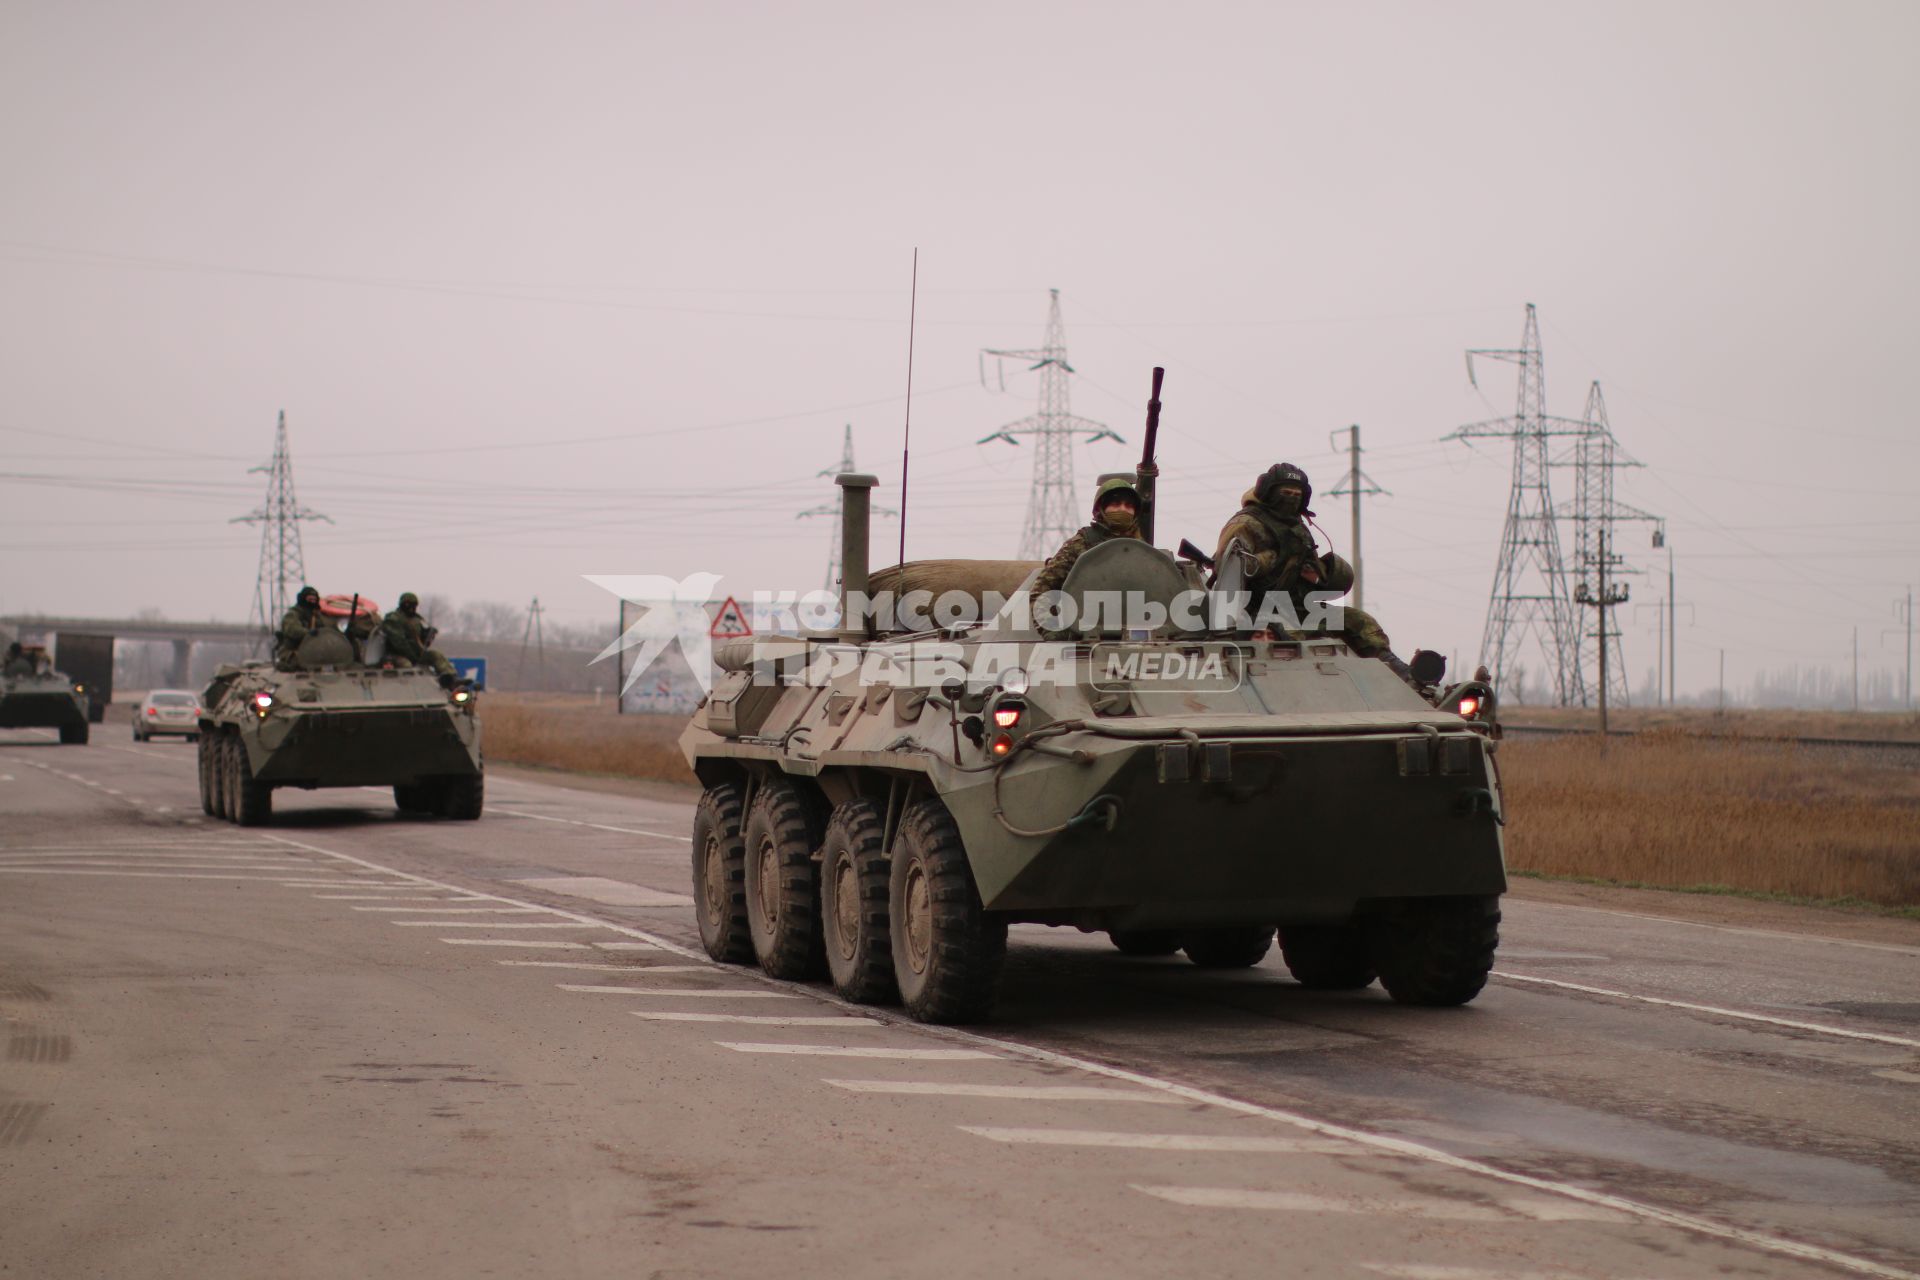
point(356, 1044)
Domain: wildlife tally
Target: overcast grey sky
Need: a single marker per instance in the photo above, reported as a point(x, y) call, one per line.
point(574, 288)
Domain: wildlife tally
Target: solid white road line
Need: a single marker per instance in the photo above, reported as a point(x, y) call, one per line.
point(1820, 1027)
point(378, 897)
point(1166, 1141)
point(375, 885)
point(491, 924)
point(141, 875)
point(614, 893)
point(344, 884)
point(765, 1020)
point(1817, 939)
point(51, 864)
point(1539, 1209)
point(1041, 1093)
point(713, 993)
point(1431, 1271)
point(455, 911)
point(610, 968)
point(643, 946)
point(515, 942)
point(851, 1051)
point(596, 826)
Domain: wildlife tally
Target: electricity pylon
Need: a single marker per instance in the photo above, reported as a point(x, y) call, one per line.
point(1530, 598)
point(537, 635)
point(833, 508)
point(1054, 509)
point(1595, 456)
point(282, 563)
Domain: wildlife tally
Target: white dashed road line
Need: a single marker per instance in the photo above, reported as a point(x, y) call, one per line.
point(516, 942)
point(1541, 1210)
point(1820, 1027)
point(493, 924)
point(607, 968)
point(763, 1020)
point(706, 992)
point(851, 1051)
point(1038, 1093)
point(1166, 1141)
point(596, 826)
point(455, 911)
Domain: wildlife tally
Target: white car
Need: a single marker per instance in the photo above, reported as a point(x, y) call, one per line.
point(167, 711)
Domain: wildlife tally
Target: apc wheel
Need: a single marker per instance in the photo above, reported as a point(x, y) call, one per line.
point(74, 735)
point(252, 800)
point(1327, 957)
point(720, 875)
point(853, 904)
point(463, 797)
point(947, 951)
point(413, 797)
point(783, 885)
point(1437, 951)
point(1144, 942)
point(226, 749)
point(1234, 947)
point(209, 797)
point(137, 736)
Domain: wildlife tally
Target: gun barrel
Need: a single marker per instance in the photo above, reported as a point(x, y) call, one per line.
point(1149, 473)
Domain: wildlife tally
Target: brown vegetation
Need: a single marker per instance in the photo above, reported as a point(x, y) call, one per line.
point(1876, 726)
point(582, 735)
point(1677, 811)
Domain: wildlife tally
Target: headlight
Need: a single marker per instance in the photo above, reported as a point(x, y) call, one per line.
point(263, 702)
point(462, 696)
point(1469, 706)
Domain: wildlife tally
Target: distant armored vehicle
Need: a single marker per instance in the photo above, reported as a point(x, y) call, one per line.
point(324, 719)
point(35, 696)
point(881, 803)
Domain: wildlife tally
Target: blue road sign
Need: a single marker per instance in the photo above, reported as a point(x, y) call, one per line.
point(472, 669)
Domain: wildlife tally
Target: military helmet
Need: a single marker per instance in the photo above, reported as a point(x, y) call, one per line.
point(1112, 486)
point(408, 600)
point(1281, 473)
point(1335, 573)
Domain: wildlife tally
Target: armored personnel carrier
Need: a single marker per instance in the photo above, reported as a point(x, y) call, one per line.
point(327, 719)
point(44, 699)
point(881, 803)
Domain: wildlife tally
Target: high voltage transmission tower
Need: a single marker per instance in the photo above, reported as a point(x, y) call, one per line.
point(1596, 455)
point(536, 634)
point(282, 565)
point(1530, 596)
point(833, 508)
point(1054, 509)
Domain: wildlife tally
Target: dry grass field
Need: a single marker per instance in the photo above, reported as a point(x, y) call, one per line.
point(1874, 726)
point(1665, 809)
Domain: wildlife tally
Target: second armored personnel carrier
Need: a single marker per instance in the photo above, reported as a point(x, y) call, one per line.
point(880, 804)
point(45, 699)
point(325, 719)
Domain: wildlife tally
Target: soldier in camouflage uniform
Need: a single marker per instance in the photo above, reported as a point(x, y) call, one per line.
point(1283, 557)
point(296, 625)
point(1116, 514)
point(18, 663)
point(408, 636)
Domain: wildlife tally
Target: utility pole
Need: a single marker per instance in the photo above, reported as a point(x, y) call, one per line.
point(1673, 679)
point(1602, 599)
point(1903, 609)
point(535, 633)
point(1723, 682)
point(1356, 484)
point(1054, 509)
point(1856, 668)
point(845, 467)
point(282, 562)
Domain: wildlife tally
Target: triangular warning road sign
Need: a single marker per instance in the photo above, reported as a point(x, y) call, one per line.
point(730, 623)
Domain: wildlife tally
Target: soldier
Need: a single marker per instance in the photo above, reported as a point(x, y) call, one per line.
point(18, 663)
point(408, 636)
point(1116, 514)
point(1283, 557)
point(297, 624)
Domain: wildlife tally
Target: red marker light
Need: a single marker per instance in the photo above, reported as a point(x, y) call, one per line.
point(1469, 706)
point(1001, 745)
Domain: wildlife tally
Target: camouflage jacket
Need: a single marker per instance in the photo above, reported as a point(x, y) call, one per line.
point(404, 635)
point(18, 667)
point(295, 625)
point(1054, 572)
point(1280, 545)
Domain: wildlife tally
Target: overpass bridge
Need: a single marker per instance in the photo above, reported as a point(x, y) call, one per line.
point(183, 636)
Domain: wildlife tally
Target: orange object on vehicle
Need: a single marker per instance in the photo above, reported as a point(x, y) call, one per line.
point(341, 606)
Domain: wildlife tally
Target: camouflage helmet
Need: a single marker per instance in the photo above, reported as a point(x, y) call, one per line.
point(409, 601)
point(1267, 487)
point(1112, 486)
point(1335, 573)
point(306, 594)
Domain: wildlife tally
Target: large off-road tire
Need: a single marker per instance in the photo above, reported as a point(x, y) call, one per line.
point(720, 876)
point(227, 750)
point(137, 735)
point(783, 884)
point(209, 795)
point(252, 800)
point(1436, 951)
point(853, 904)
point(1229, 947)
point(461, 798)
point(1144, 942)
point(1327, 957)
point(74, 735)
point(947, 951)
point(414, 797)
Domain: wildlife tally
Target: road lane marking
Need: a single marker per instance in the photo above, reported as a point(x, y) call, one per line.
point(1819, 939)
point(137, 875)
point(1539, 1210)
point(1894, 1073)
point(515, 942)
point(1165, 1141)
point(1038, 1093)
point(452, 911)
point(1796, 1025)
point(852, 1051)
point(713, 992)
point(380, 897)
point(614, 893)
point(492, 924)
point(48, 861)
point(597, 826)
point(758, 1019)
point(610, 968)
point(344, 884)
point(640, 946)
point(1430, 1271)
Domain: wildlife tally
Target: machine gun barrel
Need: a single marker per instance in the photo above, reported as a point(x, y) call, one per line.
point(1149, 471)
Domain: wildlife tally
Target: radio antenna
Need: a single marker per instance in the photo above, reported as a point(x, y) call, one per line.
point(906, 437)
